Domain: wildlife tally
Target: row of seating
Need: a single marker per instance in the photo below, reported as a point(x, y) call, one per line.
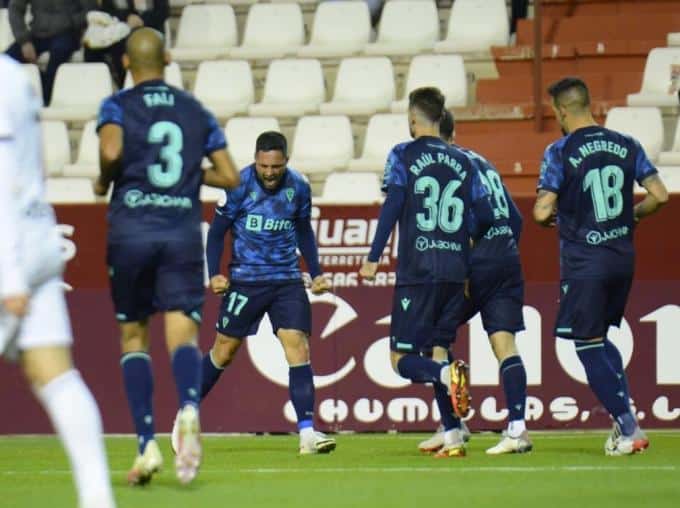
point(339, 29)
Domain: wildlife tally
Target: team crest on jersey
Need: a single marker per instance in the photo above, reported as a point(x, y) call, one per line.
point(290, 193)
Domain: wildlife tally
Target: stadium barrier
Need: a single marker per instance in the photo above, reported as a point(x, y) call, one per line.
point(355, 386)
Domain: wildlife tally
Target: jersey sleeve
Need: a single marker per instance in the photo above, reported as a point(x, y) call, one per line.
point(552, 171)
point(110, 111)
point(643, 166)
point(305, 200)
point(215, 139)
point(395, 169)
point(232, 203)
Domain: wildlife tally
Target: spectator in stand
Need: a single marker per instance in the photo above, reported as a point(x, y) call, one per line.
point(136, 14)
point(56, 27)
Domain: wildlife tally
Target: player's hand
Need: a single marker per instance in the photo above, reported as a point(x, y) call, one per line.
point(134, 21)
point(320, 285)
point(16, 304)
point(28, 52)
point(219, 284)
point(99, 188)
point(552, 221)
point(368, 270)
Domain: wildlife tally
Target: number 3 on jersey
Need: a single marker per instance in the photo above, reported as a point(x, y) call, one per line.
point(447, 211)
point(168, 172)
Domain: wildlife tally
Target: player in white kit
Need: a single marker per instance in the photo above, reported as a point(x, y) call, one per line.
point(34, 323)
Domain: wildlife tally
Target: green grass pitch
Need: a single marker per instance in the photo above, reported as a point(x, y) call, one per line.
point(369, 470)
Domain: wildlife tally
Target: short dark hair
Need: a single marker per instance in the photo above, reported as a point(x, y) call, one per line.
point(446, 125)
point(570, 91)
point(429, 100)
point(271, 140)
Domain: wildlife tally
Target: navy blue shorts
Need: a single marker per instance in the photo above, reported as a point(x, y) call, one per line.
point(244, 305)
point(425, 313)
point(147, 277)
point(588, 307)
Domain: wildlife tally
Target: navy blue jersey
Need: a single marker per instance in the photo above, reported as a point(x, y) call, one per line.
point(592, 171)
point(499, 244)
point(166, 134)
point(435, 224)
point(263, 226)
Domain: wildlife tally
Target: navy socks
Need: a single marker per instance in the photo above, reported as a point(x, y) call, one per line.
point(138, 381)
point(301, 390)
point(514, 378)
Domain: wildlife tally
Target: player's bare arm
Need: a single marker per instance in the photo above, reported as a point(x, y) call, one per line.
point(223, 173)
point(545, 208)
point(657, 196)
point(110, 154)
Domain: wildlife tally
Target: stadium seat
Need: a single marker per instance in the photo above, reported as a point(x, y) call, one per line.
point(172, 76)
point(6, 36)
point(363, 86)
point(56, 147)
point(340, 29)
point(205, 32)
point(446, 72)
point(225, 87)
point(475, 25)
point(294, 87)
point(670, 175)
point(673, 39)
point(383, 132)
point(322, 144)
point(34, 76)
point(79, 89)
point(643, 124)
point(406, 27)
point(211, 194)
point(672, 157)
point(69, 190)
point(241, 134)
point(661, 80)
point(272, 31)
point(87, 161)
point(351, 188)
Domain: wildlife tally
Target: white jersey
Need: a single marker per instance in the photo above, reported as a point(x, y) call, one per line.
point(29, 242)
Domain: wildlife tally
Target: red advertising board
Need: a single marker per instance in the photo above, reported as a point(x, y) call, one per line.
point(355, 386)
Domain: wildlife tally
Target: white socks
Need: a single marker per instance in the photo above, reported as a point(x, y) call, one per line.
point(515, 428)
point(75, 416)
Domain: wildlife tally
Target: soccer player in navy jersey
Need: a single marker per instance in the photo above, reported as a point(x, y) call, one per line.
point(497, 292)
point(153, 138)
point(269, 218)
point(437, 196)
point(587, 179)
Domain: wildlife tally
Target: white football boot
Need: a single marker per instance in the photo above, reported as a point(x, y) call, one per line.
point(189, 451)
point(146, 464)
point(436, 441)
point(507, 444)
point(317, 442)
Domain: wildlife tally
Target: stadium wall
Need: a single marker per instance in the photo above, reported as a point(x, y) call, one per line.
point(356, 389)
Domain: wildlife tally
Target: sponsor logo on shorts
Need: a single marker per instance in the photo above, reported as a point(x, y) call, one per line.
point(598, 237)
point(256, 222)
point(423, 244)
point(135, 198)
point(405, 302)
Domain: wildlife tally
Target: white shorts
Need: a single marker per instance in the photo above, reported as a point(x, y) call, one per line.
point(45, 324)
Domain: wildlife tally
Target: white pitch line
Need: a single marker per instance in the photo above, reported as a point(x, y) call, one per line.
point(389, 470)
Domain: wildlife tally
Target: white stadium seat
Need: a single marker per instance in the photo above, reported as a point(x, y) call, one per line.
point(34, 77)
point(205, 32)
point(670, 176)
point(475, 26)
point(340, 29)
point(446, 72)
point(673, 39)
point(79, 89)
point(272, 31)
point(211, 194)
point(172, 75)
point(406, 27)
point(672, 158)
point(363, 86)
point(658, 88)
point(225, 87)
point(294, 87)
point(87, 162)
point(69, 190)
point(643, 124)
point(241, 134)
point(6, 36)
point(56, 147)
point(322, 144)
point(351, 188)
point(383, 132)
